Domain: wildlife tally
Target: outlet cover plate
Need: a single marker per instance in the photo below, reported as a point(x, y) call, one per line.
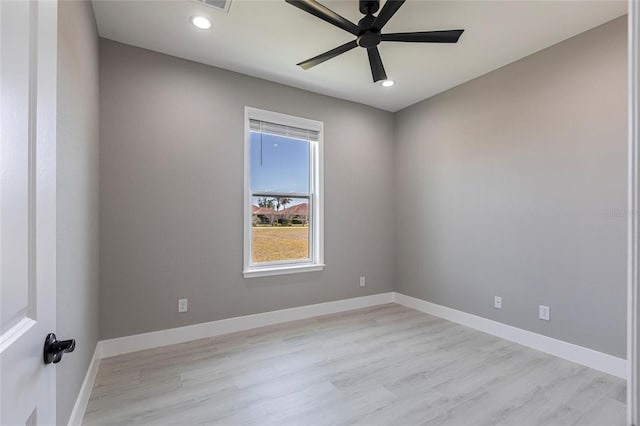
point(544, 312)
point(497, 302)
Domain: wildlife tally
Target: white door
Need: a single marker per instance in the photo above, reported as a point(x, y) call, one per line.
point(28, 40)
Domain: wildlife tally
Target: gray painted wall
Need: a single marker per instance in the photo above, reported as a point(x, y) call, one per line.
point(77, 186)
point(511, 184)
point(503, 185)
point(171, 194)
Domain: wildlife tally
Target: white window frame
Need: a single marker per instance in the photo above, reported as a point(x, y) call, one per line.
point(316, 200)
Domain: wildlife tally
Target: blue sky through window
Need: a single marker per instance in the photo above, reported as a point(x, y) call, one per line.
point(278, 164)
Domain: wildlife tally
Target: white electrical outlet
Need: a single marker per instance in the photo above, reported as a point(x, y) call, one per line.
point(183, 305)
point(544, 312)
point(362, 282)
point(497, 302)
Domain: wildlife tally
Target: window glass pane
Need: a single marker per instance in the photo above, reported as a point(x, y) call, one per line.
point(278, 164)
point(280, 229)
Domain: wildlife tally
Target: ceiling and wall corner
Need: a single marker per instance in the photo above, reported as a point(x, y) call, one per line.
point(266, 39)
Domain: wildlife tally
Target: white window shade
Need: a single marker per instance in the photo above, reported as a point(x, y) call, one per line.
point(283, 130)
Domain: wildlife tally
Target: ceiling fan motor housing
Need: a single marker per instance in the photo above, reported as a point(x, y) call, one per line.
point(368, 37)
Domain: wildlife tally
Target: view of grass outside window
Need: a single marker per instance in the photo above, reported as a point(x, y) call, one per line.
point(280, 184)
point(280, 233)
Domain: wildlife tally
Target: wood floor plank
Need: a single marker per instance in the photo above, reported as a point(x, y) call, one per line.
point(384, 365)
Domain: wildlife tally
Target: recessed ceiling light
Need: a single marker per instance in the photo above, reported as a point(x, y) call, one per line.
point(200, 22)
point(388, 83)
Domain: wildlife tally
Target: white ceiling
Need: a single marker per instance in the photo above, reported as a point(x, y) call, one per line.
point(266, 38)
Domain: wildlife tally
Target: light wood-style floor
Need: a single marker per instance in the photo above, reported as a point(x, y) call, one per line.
point(387, 365)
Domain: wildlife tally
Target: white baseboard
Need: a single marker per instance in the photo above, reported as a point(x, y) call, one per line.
point(138, 342)
point(77, 414)
point(578, 354)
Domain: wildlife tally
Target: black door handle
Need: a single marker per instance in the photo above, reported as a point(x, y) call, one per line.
point(54, 348)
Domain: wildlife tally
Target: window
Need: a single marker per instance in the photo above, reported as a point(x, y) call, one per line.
point(283, 230)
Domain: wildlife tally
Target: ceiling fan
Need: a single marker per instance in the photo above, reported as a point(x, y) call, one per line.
point(368, 32)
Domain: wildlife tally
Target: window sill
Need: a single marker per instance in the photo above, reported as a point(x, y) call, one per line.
point(282, 270)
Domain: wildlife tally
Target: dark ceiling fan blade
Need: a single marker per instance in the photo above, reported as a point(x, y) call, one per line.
point(450, 36)
point(328, 55)
point(326, 14)
point(377, 69)
point(388, 10)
